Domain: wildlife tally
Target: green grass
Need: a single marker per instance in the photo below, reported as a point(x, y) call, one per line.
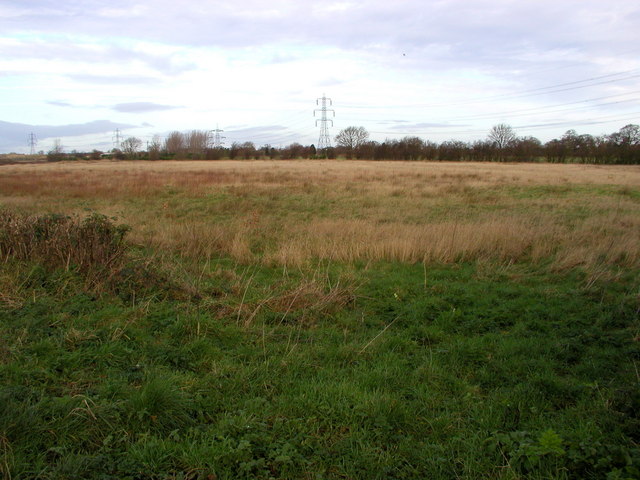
point(192, 364)
point(398, 371)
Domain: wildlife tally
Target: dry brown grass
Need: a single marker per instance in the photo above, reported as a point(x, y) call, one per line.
point(291, 212)
point(134, 178)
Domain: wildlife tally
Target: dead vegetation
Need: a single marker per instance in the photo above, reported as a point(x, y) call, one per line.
point(292, 212)
point(60, 241)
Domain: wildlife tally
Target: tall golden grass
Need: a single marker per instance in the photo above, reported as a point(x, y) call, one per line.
point(293, 212)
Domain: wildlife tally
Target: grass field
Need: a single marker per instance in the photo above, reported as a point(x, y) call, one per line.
point(319, 320)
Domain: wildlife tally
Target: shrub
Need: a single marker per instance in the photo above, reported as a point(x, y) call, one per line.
point(94, 245)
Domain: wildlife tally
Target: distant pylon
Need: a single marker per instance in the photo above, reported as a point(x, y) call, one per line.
point(217, 138)
point(33, 141)
point(116, 139)
point(324, 141)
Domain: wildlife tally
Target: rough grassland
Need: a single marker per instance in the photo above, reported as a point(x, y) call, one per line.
point(319, 320)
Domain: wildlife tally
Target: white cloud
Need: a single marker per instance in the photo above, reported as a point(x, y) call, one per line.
point(422, 61)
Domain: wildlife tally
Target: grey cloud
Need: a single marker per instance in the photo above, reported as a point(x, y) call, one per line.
point(330, 82)
point(524, 45)
point(142, 107)
point(99, 54)
point(253, 130)
point(422, 126)
point(59, 104)
point(114, 79)
point(408, 23)
point(483, 33)
point(14, 135)
point(266, 134)
point(280, 58)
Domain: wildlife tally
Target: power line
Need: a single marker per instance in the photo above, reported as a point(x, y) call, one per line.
point(601, 120)
point(510, 96)
point(324, 141)
point(551, 108)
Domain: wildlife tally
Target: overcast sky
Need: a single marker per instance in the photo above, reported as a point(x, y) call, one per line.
point(439, 69)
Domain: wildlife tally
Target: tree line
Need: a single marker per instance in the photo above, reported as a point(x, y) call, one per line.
point(501, 145)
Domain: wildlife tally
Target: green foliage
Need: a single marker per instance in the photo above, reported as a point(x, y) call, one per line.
point(552, 457)
point(265, 373)
point(159, 405)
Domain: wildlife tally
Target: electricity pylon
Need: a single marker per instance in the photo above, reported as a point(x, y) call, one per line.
point(33, 141)
point(324, 141)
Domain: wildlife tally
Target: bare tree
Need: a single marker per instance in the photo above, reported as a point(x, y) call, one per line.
point(154, 148)
point(197, 142)
point(175, 143)
point(626, 144)
point(502, 136)
point(351, 138)
point(627, 135)
point(57, 151)
point(131, 146)
point(527, 149)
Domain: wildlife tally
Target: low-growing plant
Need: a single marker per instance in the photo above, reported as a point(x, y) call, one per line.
point(158, 405)
point(551, 456)
point(92, 245)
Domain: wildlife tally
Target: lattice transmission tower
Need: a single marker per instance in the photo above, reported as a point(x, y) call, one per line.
point(33, 141)
point(324, 141)
point(116, 139)
point(218, 140)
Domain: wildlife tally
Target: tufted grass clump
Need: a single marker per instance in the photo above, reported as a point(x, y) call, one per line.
point(159, 405)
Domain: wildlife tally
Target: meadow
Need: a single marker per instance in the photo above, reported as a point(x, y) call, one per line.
point(319, 320)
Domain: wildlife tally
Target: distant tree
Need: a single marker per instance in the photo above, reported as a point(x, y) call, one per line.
point(502, 137)
point(57, 151)
point(385, 150)
point(175, 143)
point(367, 150)
point(585, 147)
point(234, 150)
point(627, 135)
point(95, 154)
point(600, 149)
point(248, 150)
point(131, 146)
point(527, 149)
point(351, 138)
point(117, 154)
point(154, 148)
point(245, 150)
point(269, 151)
point(482, 151)
point(411, 148)
point(626, 144)
point(197, 141)
point(216, 153)
point(573, 146)
point(293, 151)
point(453, 150)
